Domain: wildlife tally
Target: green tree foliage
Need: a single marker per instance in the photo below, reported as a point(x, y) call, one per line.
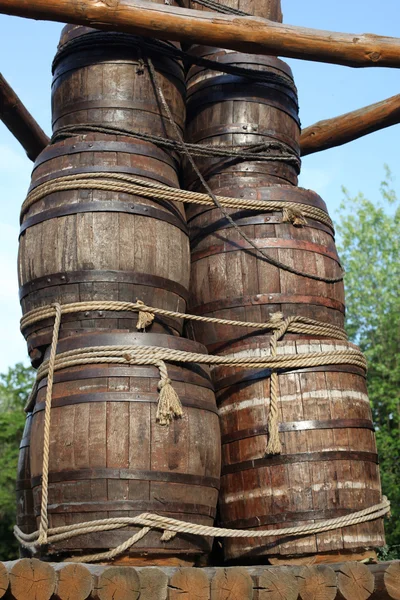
point(15, 386)
point(369, 233)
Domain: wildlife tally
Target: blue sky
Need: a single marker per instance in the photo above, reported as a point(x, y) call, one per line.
point(26, 51)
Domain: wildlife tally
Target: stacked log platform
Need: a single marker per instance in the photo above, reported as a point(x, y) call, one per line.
point(68, 581)
point(328, 466)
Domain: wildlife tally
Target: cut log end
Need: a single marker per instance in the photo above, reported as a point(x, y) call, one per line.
point(153, 584)
point(4, 580)
point(33, 579)
point(277, 584)
point(189, 584)
point(75, 582)
point(355, 581)
point(317, 583)
point(231, 584)
point(118, 583)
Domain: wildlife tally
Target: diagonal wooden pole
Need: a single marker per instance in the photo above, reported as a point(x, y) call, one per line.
point(245, 34)
point(20, 122)
point(351, 126)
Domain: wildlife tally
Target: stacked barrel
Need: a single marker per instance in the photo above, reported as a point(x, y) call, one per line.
point(328, 465)
point(91, 243)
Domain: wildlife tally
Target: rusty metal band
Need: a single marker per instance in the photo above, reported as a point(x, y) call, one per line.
point(306, 457)
point(25, 442)
point(287, 517)
point(274, 172)
point(143, 106)
point(128, 475)
point(130, 397)
point(250, 377)
point(244, 129)
point(197, 234)
point(266, 299)
point(108, 206)
point(290, 426)
point(75, 147)
point(97, 276)
point(270, 243)
point(134, 171)
point(22, 484)
point(129, 505)
point(185, 373)
point(237, 58)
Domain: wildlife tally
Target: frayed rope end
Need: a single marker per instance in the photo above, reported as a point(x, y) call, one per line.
point(145, 319)
point(169, 404)
point(296, 217)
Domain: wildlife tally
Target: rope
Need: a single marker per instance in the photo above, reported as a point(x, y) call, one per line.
point(302, 325)
point(149, 189)
point(153, 521)
point(258, 152)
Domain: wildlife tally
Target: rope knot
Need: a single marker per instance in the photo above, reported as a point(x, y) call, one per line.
point(294, 216)
point(145, 318)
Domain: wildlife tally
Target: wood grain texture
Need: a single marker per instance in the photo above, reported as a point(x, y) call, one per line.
point(107, 83)
point(20, 122)
point(247, 34)
point(71, 256)
point(109, 457)
point(355, 581)
point(153, 584)
point(267, 9)
point(317, 583)
point(33, 579)
point(276, 584)
point(231, 584)
point(230, 283)
point(189, 584)
point(74, 582)
point(231, 111)
point(318, 476)
point(118, 583)
point(387, 581)
point(350, 126)
point(4, 580)
point(25, 513)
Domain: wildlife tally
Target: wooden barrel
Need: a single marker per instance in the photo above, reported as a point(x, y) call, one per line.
point(229, 280)
point(100, 78)
point(84, 245)
point(328, 467)
point(268, 9)
point(109, 457)
point(25, 513)
point(232, 111)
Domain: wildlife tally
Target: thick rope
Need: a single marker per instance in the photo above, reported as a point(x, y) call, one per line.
point(153, 521)
point(299, 324)
point(129, 184)
point(265, 255)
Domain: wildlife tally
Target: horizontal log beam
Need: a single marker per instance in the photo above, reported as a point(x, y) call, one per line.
point(351, 126)
point(245, 34)
point(20, 121)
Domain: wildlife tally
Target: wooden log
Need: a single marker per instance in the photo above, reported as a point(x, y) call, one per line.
point(32, 579)
point(189, 584)
point(231, 584)
point(4, 580)
point(118, 583)
point(276, 584)
point(354, 581)
point(20, 122)
point(246, 34)
point(387, 581)
point(153, 584)
point(350, 126)
point(317, 583)
point(74, 582)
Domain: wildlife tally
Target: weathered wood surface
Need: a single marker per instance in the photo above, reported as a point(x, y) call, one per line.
point(231, 111)
point(83, 245)
point(20, 122)
point(109, 457)
point(228, 283)
point(245, 34)
point(267, 9)
point(350, 126)
point(328, 466)
point(233, 583)
point(25, 514)
point(107, 83)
